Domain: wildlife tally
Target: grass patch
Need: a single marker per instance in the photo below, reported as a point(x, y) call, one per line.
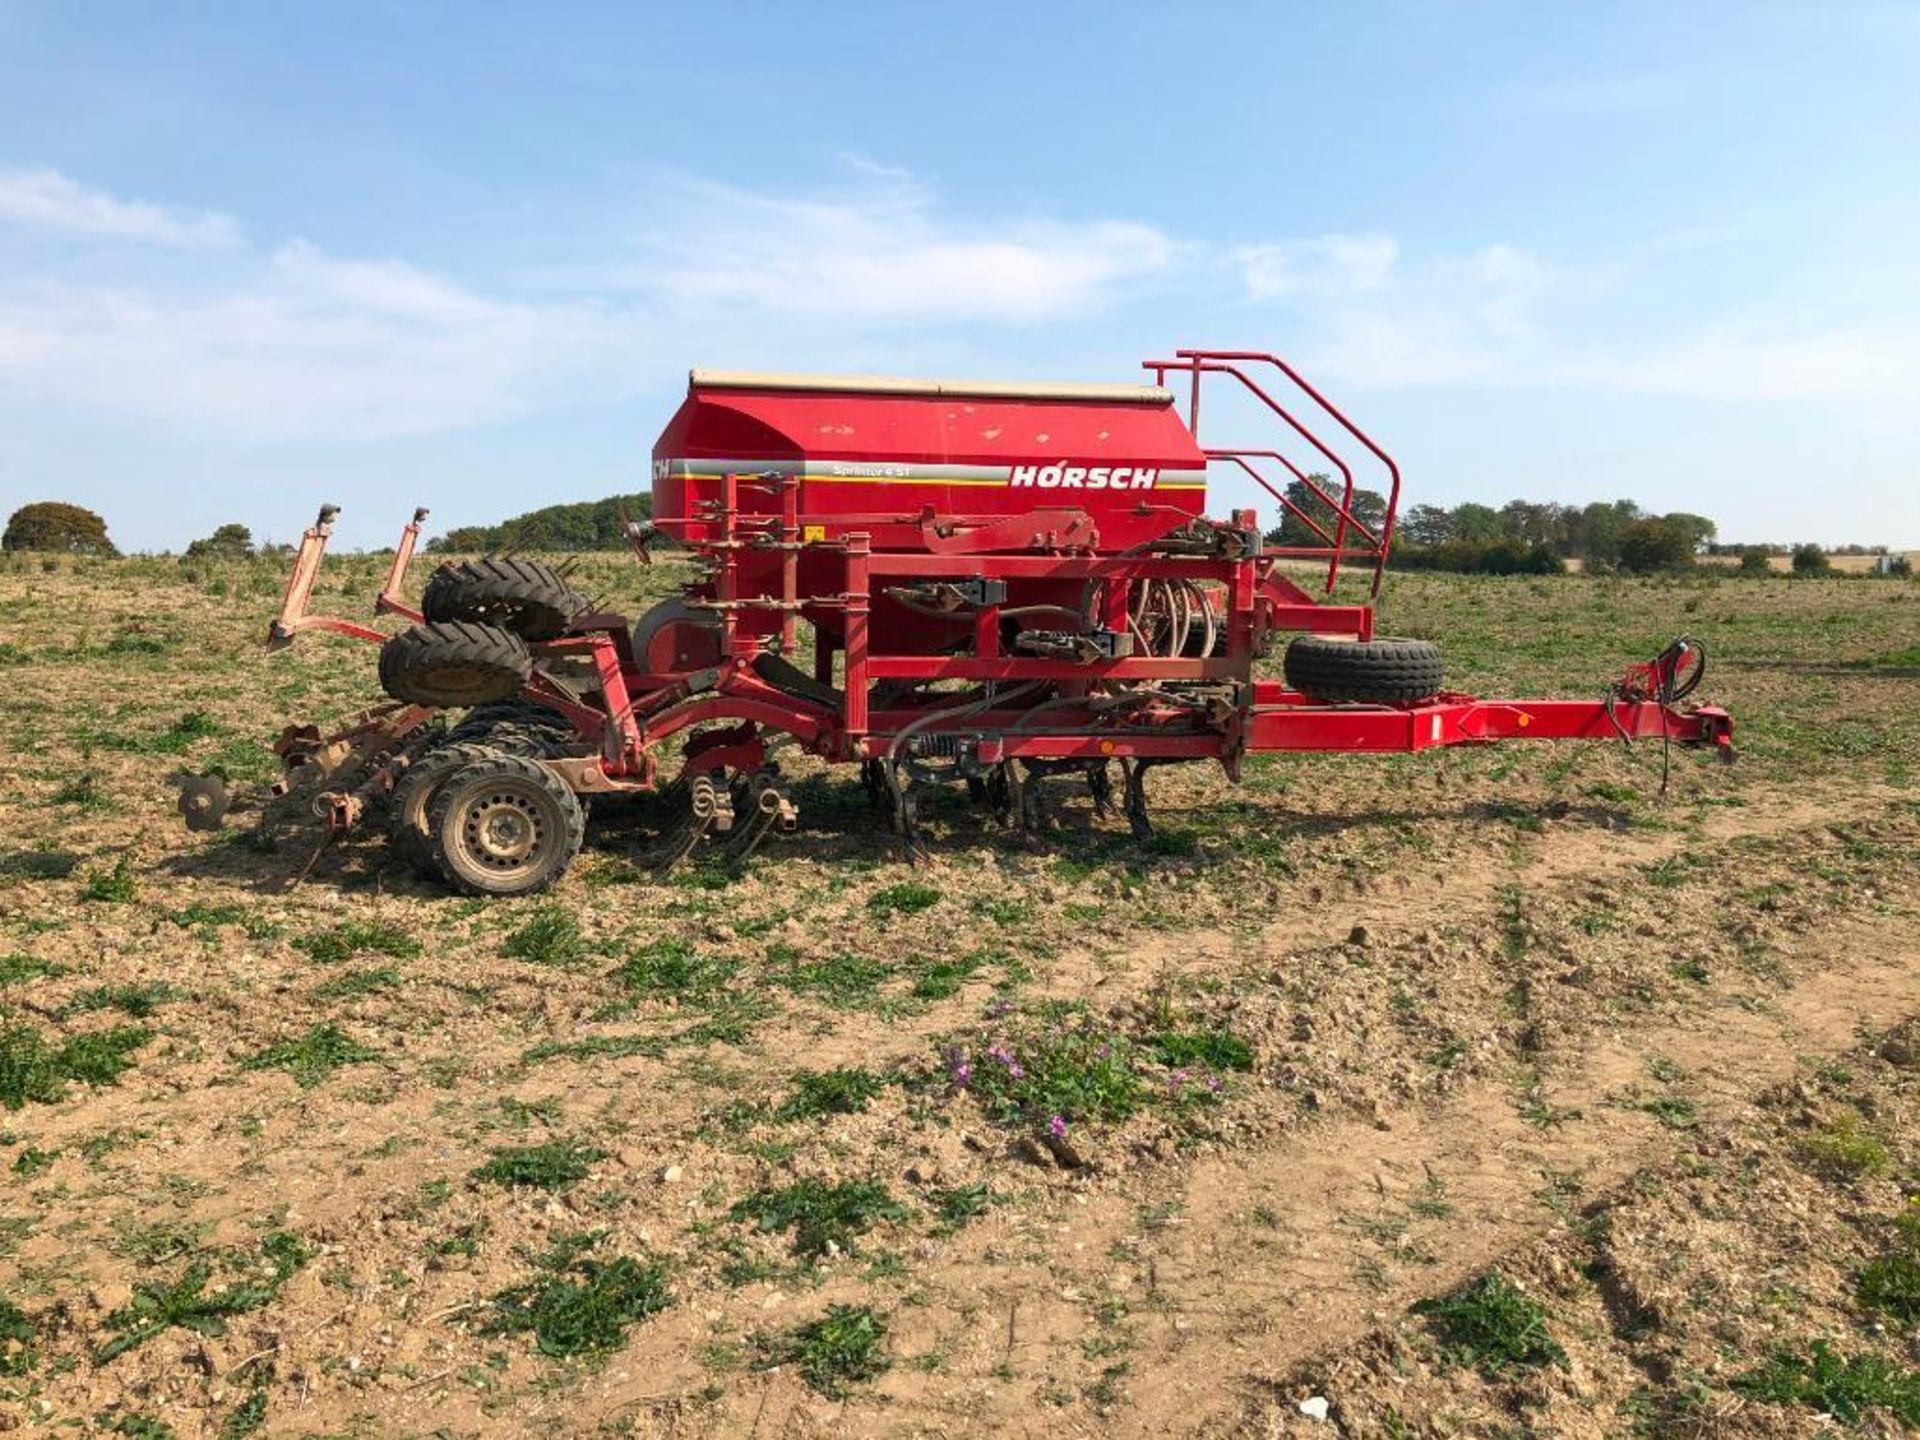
point(17, 967)
point(137, 1000)
point(909, 897)
point(1891, 1283)
point(312, 1057)
point(1218, 1049)
point(112, 887)
point(958, 1204)
point(578, 1304)
point(551, 937)
point(843, 1348)
point(357, 983)
point(554, 1165)
point(1844, 1150)
point(357, 937)
point(185, 1301)
point(842, 981)
point(19, 1340)
point(821, 1216)
point(673, 968)
point(1845, 1387)
point(83, 793)
point(843, 1091)
point(31, 1069)
point(1491, 1326)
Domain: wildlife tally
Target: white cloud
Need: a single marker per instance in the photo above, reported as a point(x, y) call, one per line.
point(302, 348)
point(48, 198)
point(886, 255)
point(1324, 267)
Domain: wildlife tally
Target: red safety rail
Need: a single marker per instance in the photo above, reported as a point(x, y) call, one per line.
point(1351, 537)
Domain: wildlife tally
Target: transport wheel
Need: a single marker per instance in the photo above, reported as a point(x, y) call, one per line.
point(525, 597)
point(454, 663)
point(504, 825)
point(1376, 672)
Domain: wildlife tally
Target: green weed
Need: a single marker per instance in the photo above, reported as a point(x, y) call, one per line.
point(137, 1000)
point(1491, 1326)
point(909, 897)
point(184, 1301)
point(551, 937)
point(1177, 1049)
point(1843, 1387)
point(83, 793)
point(311, 1057)
point(1843, 1150)
point(671, 967)
point(842, 1348)
point(554, 1165)
point(578, 1304)
point(112, 887)
point(959, 1204)
point(829, 1092)
point(31, 1069)
point(821, 1215)
point(19, 1340)
point(1891, 1283)
point(17, 967)
point(358, 937)
point(357, 983)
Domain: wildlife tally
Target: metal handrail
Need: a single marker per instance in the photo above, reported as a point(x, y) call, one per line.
point(1197, 362)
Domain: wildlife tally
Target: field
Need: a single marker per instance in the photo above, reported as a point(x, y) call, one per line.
point(1482, 1093)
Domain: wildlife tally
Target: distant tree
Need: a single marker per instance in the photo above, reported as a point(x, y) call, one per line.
point(1651, 545)
point(1425, 525)
point(1476, 522)
point(586, 525)
point(1900, 566)
point(1811, 560)
point(1602, 526)
point(1700, 530)
point(1369, 508)
point(1505, 556)
point(1754, 560)
point(229, 542)
point(54, 525)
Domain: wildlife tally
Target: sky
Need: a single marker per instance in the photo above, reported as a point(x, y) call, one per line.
point(256, 257)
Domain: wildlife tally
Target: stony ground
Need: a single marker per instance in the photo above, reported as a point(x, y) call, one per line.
point(1480, 1093)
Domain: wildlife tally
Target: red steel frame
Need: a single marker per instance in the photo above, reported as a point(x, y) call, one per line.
point(639, 712)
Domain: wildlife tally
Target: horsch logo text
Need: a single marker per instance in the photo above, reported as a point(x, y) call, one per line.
point(1084, 477)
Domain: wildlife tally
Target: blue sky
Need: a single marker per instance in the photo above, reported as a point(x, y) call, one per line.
point(253, 257)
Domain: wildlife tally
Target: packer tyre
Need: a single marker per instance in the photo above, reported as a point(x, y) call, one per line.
point(413, 800)
point(504, 825)
point(1373, 672)
point(523, 597)
point(523, 720)
point(454, 664)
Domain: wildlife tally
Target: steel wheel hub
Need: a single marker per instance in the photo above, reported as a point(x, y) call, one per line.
point(503, 829)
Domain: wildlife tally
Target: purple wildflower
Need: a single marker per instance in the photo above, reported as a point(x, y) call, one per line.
point(959, 1066)
point(1057, 1127)
point(1176, 1080)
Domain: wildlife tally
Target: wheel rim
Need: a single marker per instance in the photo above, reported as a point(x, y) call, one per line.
point(505, 831)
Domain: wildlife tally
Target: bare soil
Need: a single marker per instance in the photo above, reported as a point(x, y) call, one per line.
point(1648, 1060)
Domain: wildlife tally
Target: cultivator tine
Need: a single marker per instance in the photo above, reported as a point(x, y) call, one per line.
point(1135, 772)
point(1100, 787)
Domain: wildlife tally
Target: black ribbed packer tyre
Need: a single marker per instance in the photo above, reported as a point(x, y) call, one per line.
point(453, 663)
point(504, 825)
point(1370, 672)
point(524, 597)
point(413, 798)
